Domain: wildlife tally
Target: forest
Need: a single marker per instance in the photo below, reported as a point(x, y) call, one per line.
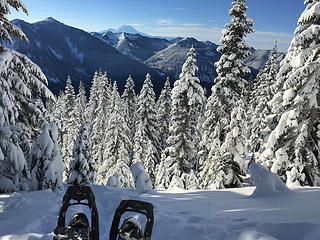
point(184, 138)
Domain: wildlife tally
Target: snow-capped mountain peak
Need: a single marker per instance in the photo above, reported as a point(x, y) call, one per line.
point(121, 29)
point(50, 19)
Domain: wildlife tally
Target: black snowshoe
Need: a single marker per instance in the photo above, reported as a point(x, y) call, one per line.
point(78, 227)
point(131, 228)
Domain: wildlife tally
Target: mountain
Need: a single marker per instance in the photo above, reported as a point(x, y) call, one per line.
point(131, 30)
point(171, 59)
point(135, 46)
point(258, 59)
point(169, 56)
point(123, 28)
point(61, 50)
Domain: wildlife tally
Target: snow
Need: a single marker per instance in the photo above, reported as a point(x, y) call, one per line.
point(188, 215)
point(141, 178)
point(309, 13)
point(113, 181)
point(267, 183)
point(59, 56)
point(74, 50)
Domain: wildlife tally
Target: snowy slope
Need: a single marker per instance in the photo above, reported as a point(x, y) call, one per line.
point(258, 58)
point(135, 46)
point(61, 50)
point(225, 214)
point(171, 59)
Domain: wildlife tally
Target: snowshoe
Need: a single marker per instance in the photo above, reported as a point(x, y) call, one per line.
point(131, 228)
point(78, 227)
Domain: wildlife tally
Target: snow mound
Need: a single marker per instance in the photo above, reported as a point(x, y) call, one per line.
point(141, 178)
point(113, 181)
point(267, 183)
point(254, 235)
point(176, 183)
point(14, 201)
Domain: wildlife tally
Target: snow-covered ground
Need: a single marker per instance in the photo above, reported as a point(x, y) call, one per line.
point(224, 214)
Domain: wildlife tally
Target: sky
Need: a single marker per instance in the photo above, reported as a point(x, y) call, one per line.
point(201, 19)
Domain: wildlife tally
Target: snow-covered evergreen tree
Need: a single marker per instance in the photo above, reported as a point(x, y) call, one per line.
point(262, 93)
point(80, 105)
point(100, 120)
point(150, 161)
point(22, 113)
point(46, 161)
point(117, 145)
point(147, 127)
point(7, 29)
point(83, 168)
point(130, 101)
point(187, 97)
point(229, 87)
point(14, 169)
point(292, 149)
point(163, 113)
point(69, 127)
point(93, 99)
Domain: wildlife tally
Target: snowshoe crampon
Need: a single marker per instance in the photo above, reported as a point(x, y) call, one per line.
point(78, 227)
point(131, 229)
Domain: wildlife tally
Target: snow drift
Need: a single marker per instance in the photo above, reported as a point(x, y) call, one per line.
point(267, 183)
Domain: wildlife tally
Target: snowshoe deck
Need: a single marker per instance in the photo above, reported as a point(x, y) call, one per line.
point(133, 206)
point(79, 194)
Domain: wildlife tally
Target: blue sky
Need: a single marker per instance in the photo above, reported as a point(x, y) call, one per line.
point(202, 19)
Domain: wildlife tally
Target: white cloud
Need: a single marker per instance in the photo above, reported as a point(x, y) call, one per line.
point(165, 22)
point(191, 24)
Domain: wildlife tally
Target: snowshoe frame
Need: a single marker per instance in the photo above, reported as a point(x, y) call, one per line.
point(141, 207)
point(79, 193)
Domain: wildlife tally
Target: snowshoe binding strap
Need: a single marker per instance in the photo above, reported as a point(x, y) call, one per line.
point(79, 193)
point(133, 206)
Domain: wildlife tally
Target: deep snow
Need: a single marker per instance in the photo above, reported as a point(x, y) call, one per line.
point(224, 214)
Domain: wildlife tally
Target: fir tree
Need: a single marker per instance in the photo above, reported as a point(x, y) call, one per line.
point(228, 89)
point(83, 168)
point(93, 99)
point(70, 128)
point(99, 121)
point(130, 101)
point(7, 28)
point(117, 144)
point(292, 149)
point(80, 105)
point(14, 169)
point(22, 113)
point(187, 97)
point(262, 93)
point(163, 113)
point(147, 125)
point(46, 161)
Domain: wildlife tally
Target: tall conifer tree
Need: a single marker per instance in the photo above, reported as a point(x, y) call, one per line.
point(229, 87)
point(187, 97)
point(292, 149)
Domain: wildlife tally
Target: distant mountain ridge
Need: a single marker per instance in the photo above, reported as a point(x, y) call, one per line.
point(61, 50)
point(169, 55)
point(121, 29)
point(131, 30)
